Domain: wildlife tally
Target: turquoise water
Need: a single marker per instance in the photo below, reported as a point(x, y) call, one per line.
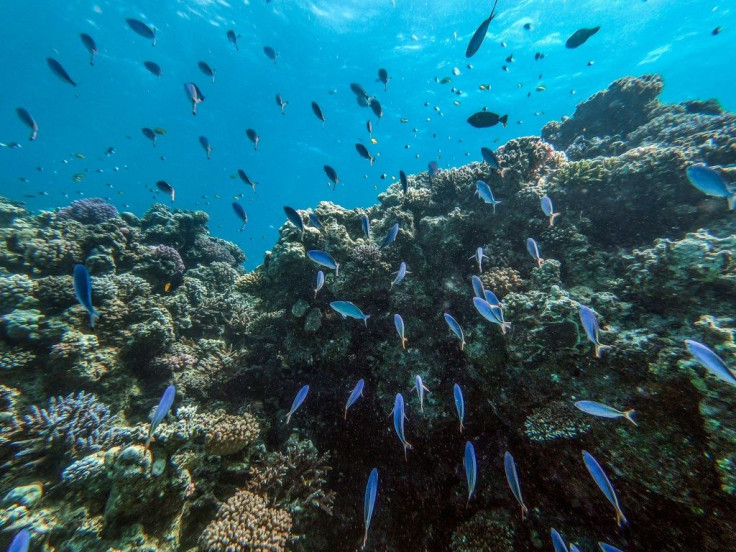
point(323, 46)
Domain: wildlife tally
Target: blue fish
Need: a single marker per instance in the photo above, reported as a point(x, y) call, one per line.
point(391, 236)
point(354, 395)
point(491, 313)
point(296, 219)
point(471, 468)
point(533, 249)
point(478, 287)
point(323, 258)
point(162, 410)
point(479, 256)
point(604, 411)
point(711, 183)
point(399, 417)
point(20, 542)
point(608, 548)
point(365, 224)
point(402, 272)
point(456, 329)
point(459, 404)
point(83, 291)
point(399, 323)
point(432, 169)
point(241, 214)
point(513, 480)
point(421, 388)
point(315, 221)
point(710, 361)
point(369, 502)
point(347, 309)
point(590, 325)
point(548, 210)
point(320, 282)
point(600, 478)
point(574, 548)
point(298, 400)
point(490, 158)
point(557, 541)
point(491, 299)
point(483, 191)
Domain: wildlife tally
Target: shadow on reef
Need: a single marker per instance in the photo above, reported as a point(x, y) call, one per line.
point(635, 242)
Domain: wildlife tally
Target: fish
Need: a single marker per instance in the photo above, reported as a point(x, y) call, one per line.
point(710, 361)
point(29, 121)
point(166, 188)
point(391, 236)
point(510, 59)
point(400, 274)
point(253, 137)
point(83, 292)
point(153, 67)
point(491, 313)
point(557, 541)
point(384, 78)
point(354, 394)
point(513, 480)
point(404, 182)
point(432, 169)
point(194, 94)
point(142, 29)
point(176, 280)
point(322, 258)
point(59, 71)
point(281, 103)
point(318, 112)
point(207, 70)
point(711, 183)
point(471, 469)
point(332, 175)
point(20, 542)
point(456, 329)
point(580, 37)
point(233, 38)
point(480, 33)
point(484, 192)
point(205, 143)
point(399, 418)
point(296, 219)
point(478, 287)
point(320, 282)
point(421, 388)
point(486, 119)
point(574, 548)
point(369, 502)
point(363, 152)
point(89, 43)
point(270, 53)
point(246, 179)
point(148, 133)
point(365, 224)
point(533, 249)
point(604, 411)
point(162, 410)
point(479, 256)
point(590, 325)
point(608, 548)
point(347, 309)
point(538, 56)
point(369, 128)
point(241, 214)
point(358, 90)
point(376, 107)
point(399, 323)
point(298, 400)
point(314, 221)
point(490, 158)
point(492, 300)
point(716, 31)
point(600, 478)
point(548, 209)
point(459, 404)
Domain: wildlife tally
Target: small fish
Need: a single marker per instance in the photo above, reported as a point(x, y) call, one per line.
point(363, 152)
point(78, 177)
point(83, 291)
point(347, 309)
point(246, 179)
point(318, 112)
point(399, 323)
point(479, 256)
point(456, 329)
point(59, 71)
point(579, 37)
point(320, 283)
point(600, 478)
point(369, 502)
point(162, 410)
point(148, 133)
point(604, 411)
point(716, 31)
point(153, 67)
point(29, 121)
point(432, 169)
point(142, 29)
point(510, 59)
point(20, 542)
point(358, 90)
point(369, 128)
point(376, 107)
point(233, 38)
point(404, 182)
point(194, 94)
point(711, 183)
point(491, 313)
point(241, 214)
point(322, 258)
point(490, 158)
point(480, 34)
point(483, 191)
point(391, 236)
point(159, 131)
point(205, 143)
point(354, 395)
point(548, 209)
point(89, 43)
point(296, 219)
point(384, 78)
point(314, 221)
point(365, 224)
point(298, 400)
point(471, 468)
point(540, 88)
point(486, 119)
point(166, 188)
point(400, 274)
point(176, 280)
point(710, 361)
point(459, 404)
point(253, 137)
point(399, 417)
point(332, 175)
point(538, 56)
point(608, 548)
point(533, 249)
point(557, 541)
point(513, 480)
point(207, 70)
point(590, 325)
point(281, 103)
point(270, 53)
point(420, 388)
point(527, 26)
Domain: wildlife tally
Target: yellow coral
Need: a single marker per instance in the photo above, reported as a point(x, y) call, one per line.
point(230, 434)
point(247, 283)
point(502, 280)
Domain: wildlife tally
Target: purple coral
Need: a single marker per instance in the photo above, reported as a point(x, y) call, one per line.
point(168, 253)
point(93, 210)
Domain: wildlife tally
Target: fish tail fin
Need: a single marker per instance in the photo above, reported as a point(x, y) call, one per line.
point(600, 348)
point(345, 417)
point(372, 159)
point(621, 520)
point(462, 345)
point(337, 268)
point(504, 120)
point(552, 218)
point(732, 201)
point(540, 260)
point(365, 319)
point(524, 512)
point(93, 315)
point(288, 418)
point(629, 415)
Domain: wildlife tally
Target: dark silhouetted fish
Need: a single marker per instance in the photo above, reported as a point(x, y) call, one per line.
point(332, 175)
point(205, 143)
point(270, 53)
point(432, 169)
point(404, 182)
point(281, 103)
point(195, 95)
point(485, 119)
point(89, 43)
point(580, 36)
point(253, 137)
point(296, 219)
point(59, 71)
point(232, 37)
point(166, 188)
point(369, 128)
point(538, 56)
point(480, 34)
point(358, 90)
point(240, 213)
point(244, 177)
point(318, 112)
point(716, 31)
point(142, 29)
point(207, 70)
point(153, 67)
point(384, 78)
point(363, 152)
point(376, 108)
point(29, 121)
point(150, 134)
point(362, 100)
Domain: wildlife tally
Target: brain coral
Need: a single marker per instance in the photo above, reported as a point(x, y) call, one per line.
point(93, 210)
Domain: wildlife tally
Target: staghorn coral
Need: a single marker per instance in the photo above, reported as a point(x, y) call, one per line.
point(93, 210)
